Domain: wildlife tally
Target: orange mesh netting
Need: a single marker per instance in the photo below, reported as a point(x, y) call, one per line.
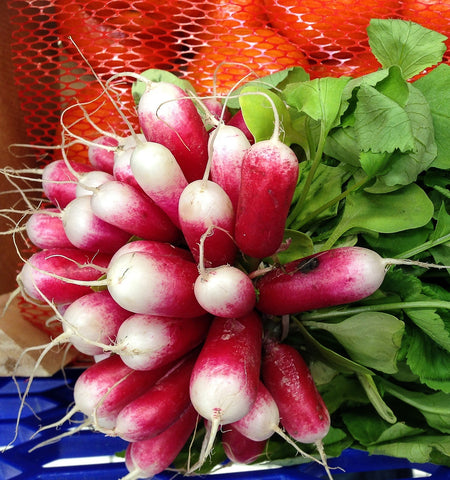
point(189, 38)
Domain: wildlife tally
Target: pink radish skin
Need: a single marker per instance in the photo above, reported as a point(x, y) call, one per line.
point(101, 158)
point(59, 184)
point(45, 229)
point(104, 388)
point(127, 208)
point(225, 291)
point(91, 180)
point(142, 282)
point(239, 448)
point(237, 120)
point(224, 382)
point(325, 279)
point(38, 272)
point(160, 176)
point(154, 248)
point(145, 342)
point(97, 317)
point(204, 204)
point(229, 145)
point(169, 117)
point(88, 232)
point(302, 411)
point(122, 167)
point(269, 177)
point(156, 409)
point(216, 109)
point(147, 458)
point(262, 420)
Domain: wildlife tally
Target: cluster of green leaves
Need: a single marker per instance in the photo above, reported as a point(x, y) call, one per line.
point(375, 154)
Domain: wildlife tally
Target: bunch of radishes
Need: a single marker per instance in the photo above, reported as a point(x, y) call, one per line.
point(145, 256)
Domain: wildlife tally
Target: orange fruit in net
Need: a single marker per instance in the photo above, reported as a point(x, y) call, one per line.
point(243, 54)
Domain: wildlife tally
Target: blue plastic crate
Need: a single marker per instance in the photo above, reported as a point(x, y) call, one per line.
point(49, 400)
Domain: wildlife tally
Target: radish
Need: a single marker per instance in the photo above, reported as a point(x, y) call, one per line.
point(155, 248)
point(217, 109)
point(101, 391)
point(229, 145)
point(147, 458)
point(224, 382)
point(159, 175)
point(237, 120)
point(98, 317)
point(104, 388)
point(122, 166)
point(333, 277)
point(224, 291)
point(90, 180)
point(45, 229)
point(269, 177)
point(158, 407)
point(127, 208)
point(169, 117)
point(142, 282)
point(145, 342)
point(239, 448)
point(54, 274)
point(262, 421)
point(88, 232)
point(303, 413)
point(59, 183)
point(101, 158)
point(203, 204)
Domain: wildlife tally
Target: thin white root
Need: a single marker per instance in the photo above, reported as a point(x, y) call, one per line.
point(209, 440)
point(291, 442)
point(321, 450)
point(59, 422)
point(406, 261)
point(52, 440)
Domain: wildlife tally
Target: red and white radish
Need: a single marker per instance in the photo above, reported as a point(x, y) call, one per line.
point(142, 282)
point(101, 158)
point(61, 275)
point(122, 167)
point(204, 204)
point(145, 342)
point(104, 388)
point(325, 279)
point(168, 116)
point(239, 448)
point(127, 208)
point(159, 175)
point(158, 407)
point(59, 182)
point(303, 412)
point(147, 458)
point(228, 145)
point(96, 317)
point(89, 181)
point(268, 181)
point(237, 120)
point(225, 291)
point(45, 229)
point(155, 248)
point(224, 382)
point(88, 232)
